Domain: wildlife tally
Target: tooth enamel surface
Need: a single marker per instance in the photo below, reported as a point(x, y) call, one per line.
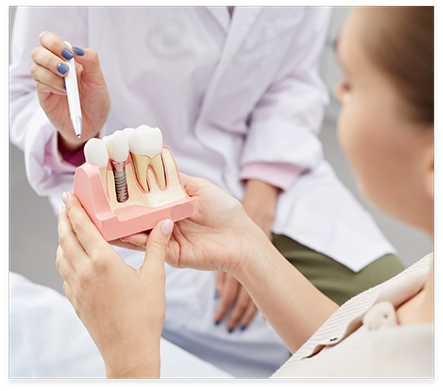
point(146, 141)
point(96, 152)
point(146, 145)
point(117, 145)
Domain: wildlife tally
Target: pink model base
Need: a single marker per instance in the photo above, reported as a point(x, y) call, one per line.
point(89, 190)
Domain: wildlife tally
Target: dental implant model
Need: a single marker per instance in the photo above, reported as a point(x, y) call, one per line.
point(96, 154)
point(146, 145)
point(118, 151)
point(135, 188)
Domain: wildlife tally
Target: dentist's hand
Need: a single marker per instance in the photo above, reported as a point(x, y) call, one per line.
point(50, 69)
point(122, 308)
point(260, 201)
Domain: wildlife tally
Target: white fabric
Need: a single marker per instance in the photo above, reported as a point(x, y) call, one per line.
point(48, 340)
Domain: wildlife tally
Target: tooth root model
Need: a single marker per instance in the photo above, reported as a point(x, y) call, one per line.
point(97, 155)
point(118, 151)
point(144, 197)
point(146, 145)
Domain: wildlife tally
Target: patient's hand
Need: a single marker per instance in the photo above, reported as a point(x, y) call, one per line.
point(217, 238)
point(122, 308)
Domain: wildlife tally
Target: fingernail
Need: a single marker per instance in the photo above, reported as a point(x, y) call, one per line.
point(243, 328)
point(217, 323)
point(78, 51)
point(62, 68)
point(60, 210)
point(216, 294)
point(67, 54)
point(167, 227)
point(231, 330)
point(64, 85)
point(65, 197)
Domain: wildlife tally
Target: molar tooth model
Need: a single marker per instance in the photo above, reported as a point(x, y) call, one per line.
point(135, 188)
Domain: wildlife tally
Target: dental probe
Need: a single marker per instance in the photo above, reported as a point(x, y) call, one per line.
point(73, 96)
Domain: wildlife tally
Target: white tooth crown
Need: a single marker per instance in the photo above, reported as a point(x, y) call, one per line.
point(96, 153)
point(145, 141)
point(117, 145)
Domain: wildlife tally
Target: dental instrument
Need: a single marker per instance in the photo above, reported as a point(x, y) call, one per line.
point(73, 96)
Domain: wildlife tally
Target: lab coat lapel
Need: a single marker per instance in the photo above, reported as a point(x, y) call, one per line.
point(221, 14)
point(242, 20)
point(241, 23)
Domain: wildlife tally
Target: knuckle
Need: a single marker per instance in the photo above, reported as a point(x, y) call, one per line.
point(48, 39)
point(34, 53)
point(62, 239)
point(83, 278)
point(42, 35)
point(78, 226)
point(33, 70)
point(100, 262)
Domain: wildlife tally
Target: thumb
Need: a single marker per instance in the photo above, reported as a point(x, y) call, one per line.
point(157, 244)
point(88, 58)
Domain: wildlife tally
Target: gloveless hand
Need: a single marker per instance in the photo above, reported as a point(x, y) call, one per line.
point(49, 71)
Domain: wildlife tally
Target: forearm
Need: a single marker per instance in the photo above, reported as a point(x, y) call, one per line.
point(260, 201)
point(291, 304)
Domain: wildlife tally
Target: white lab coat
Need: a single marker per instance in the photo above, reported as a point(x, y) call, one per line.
point(225, 94)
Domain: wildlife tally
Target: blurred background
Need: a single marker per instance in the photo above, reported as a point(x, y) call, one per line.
point(33, 224)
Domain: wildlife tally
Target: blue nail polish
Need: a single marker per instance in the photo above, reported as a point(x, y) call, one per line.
point(217, 323)
point(67, 54)
point(78, 51)
point(215, 294)
point(62, 68)
point(231, 330)
point(64, 85)
point(243, 328)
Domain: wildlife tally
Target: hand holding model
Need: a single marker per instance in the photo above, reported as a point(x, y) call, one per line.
point(49, 71)
point(106, 292)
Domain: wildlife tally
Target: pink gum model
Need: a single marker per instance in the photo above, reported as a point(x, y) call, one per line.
point(142, 210)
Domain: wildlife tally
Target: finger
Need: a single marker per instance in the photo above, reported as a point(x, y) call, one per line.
point(64, 266)
point(241, 305)
point(139, 240)
point(228, 295)
point(69, 243)
point(44, 89)
point(126, 244)
point(219, 284)
point(85, 231)
point(55, 45)
point(89, 60)
point(46, 77)
point(248, 315)
point(156, 247)
point(50, 61)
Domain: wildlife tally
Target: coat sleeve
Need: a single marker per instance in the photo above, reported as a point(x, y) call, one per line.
point(30, 129)
point(290, 113)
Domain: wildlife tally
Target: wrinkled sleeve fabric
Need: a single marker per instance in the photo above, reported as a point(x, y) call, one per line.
point(290, 113)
